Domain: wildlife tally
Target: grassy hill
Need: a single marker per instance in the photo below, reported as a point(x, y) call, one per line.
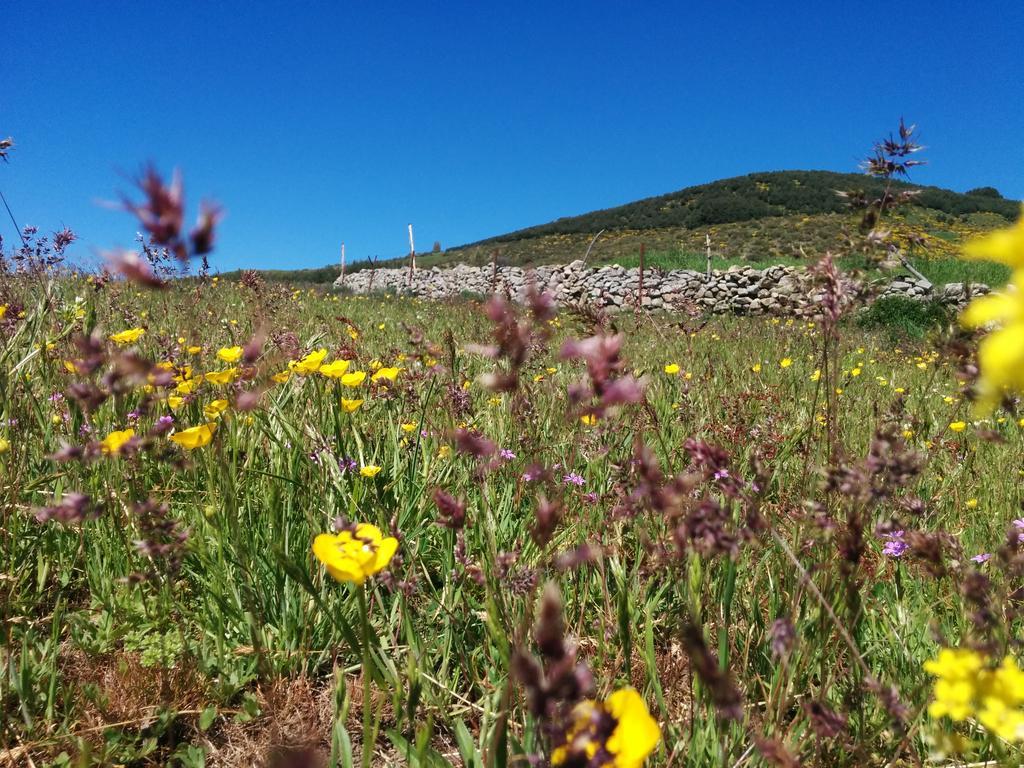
point(774, 217)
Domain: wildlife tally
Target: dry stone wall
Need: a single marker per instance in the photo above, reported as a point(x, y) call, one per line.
point(778, 290)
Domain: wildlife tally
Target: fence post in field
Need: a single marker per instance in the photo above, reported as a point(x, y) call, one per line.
point(707, 242)
point(412, 257)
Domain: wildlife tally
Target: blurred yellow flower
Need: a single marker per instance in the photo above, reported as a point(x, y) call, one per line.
point(187, 386)
point(113, 442)
point(354, 556)
point(972, 504)
point(816, 376)
point(589, 419)
point(369, 470)
point(409, 426)
point(230, 354)
point(174, 401)
point(334, 370)
point(5, 444)
point(388, 374)
point(195, 437)
point(309, 364)
point(672, 369)
point(214, 409)
point(855, 372)
point(785, 362)
point(633, 736)
point(222, 377)
point(350, 406)
point(756, 367)
point(281, 377)
point(3, 311)
point(353, 379)
point(958, 426)
point(194, 350)
point(128, 337)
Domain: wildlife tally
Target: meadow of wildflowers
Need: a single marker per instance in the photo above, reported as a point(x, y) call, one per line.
point(244, 524)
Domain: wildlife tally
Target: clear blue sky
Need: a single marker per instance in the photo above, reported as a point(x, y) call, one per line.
point(317, 123)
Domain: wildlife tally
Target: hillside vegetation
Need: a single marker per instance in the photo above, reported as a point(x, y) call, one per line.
point(775, 217)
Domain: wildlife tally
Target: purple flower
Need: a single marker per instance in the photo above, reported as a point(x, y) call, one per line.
point(895, 546)
point(590, 498)
point(163, 425)
point(721, 474)
point(573, 479)
point(346, 464)
point(1019, 525)
point(133, 417)
point(84, 430)
point(506, 454)
point(984, 557)
point(530, 475)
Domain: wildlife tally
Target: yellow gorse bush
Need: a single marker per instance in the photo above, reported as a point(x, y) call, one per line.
point(354, 556)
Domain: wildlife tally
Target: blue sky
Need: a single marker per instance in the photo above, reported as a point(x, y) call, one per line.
point(317, 123)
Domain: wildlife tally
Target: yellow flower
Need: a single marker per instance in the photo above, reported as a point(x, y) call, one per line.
point(70, 367)
point(381, 374)
point(1005, 246)
point(785, 362)
point(589, 419)
point(113, 442)
point(370, 470)
point(174, 401)
point(3, 311)
point(409, 426)
point(282, 377)
point(187, 386)
point(226, 376)
point(957, 672)
point(972, 504)
point(128, 337)
point(334, 370)
point(855, 372)
point(634, 733)
point(194, 350)
point(5, 444)
point(195, 437)
point(816, 376)
point(353, 379)
point(215, 408)
point(350, 406)
point(355, 556)
point(958, 426)
point(756, 367)
point(230, 354)
point(310, 363)
point(966, 687)
point(672, 369)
